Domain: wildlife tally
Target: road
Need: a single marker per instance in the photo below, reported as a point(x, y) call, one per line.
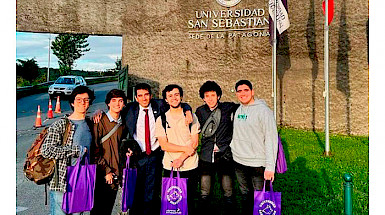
point(29, 196)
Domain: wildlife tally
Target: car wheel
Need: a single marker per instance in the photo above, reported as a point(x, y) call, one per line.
point(51, 96)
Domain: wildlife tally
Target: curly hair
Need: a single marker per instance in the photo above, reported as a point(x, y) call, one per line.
point(210, 86)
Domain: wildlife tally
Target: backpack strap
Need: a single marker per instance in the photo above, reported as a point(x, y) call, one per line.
point(64, 141)
point(189, 125)
point(46, 195)
point(164, 122)
point(67, 131)
point(113, 130)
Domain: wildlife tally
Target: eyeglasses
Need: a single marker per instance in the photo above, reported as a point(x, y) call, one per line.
point(79, 100)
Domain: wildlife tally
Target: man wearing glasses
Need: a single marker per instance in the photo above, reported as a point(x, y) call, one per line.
point(77, 144)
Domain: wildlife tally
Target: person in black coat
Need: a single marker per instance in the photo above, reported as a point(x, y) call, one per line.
point(215, 156)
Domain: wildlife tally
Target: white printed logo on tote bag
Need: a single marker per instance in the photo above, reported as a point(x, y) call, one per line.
point(174, 195)
point(267, 207)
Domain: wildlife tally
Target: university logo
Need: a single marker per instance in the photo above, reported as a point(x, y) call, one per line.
point(174, 195)
point(228, 3)
point(267, 207)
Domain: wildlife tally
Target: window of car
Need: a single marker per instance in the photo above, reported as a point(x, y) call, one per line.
point(63, 80)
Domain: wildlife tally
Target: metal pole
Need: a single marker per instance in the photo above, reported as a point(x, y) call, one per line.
point(326, 74)
point(275, 60)
point(133, 93)
point(348, 191)
point(49, 56)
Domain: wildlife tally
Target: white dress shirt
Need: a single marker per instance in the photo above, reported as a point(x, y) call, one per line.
point(139, 135)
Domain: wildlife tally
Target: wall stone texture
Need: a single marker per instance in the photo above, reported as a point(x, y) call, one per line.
point(157, 48)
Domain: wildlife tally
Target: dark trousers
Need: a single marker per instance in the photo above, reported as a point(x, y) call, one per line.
point(192, 185)
point(249, 179)
point(104, 197)
point(225, 171)
point(148, 183)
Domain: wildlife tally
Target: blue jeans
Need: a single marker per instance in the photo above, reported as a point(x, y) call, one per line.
point(56, 200)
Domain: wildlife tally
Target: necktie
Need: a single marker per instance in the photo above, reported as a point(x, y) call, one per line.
point(147, 132)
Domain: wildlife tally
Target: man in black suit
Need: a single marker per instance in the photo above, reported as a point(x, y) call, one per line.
point(140, 117)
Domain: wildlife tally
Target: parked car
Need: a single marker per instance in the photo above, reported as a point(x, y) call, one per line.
point(64, 85)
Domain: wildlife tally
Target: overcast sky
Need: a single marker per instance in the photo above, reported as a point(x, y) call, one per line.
point(104, 50)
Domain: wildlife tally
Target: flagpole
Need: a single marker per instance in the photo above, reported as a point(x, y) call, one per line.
point(49, 56)
point(326, 74)
point(274, 60)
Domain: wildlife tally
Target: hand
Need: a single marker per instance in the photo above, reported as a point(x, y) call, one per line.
point(129, 152)
point(177, 163)
point(109, 178)
point(189, 118)
point(97, 116)
point(83, 151)
point(269, 175)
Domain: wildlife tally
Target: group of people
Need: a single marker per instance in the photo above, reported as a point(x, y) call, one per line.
point(160, 135)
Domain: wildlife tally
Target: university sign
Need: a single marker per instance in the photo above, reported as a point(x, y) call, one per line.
point(228, 3)
point(219, 24)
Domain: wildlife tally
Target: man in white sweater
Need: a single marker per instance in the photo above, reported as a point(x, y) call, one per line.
point(254, 144)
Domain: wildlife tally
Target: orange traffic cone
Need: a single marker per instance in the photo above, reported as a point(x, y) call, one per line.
point(38, 118)
point(50, 112)
point(57, 106)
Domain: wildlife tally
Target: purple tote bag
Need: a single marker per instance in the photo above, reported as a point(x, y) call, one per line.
point(281, 166)
point(79, 195)
point(267, 202)
point(174, 195)
point(128, 188)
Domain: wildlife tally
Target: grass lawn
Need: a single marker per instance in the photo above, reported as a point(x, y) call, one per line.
point(313, 183)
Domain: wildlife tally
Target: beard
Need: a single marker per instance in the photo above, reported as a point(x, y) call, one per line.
point(175, 106)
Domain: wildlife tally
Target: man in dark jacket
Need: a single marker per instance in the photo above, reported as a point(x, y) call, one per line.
point(216, 123)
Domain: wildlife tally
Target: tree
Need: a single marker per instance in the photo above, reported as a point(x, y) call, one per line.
point(68, 48)
point(118, 64)
point(27, 69)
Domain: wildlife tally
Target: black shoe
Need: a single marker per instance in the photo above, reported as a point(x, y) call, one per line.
point(204, 206)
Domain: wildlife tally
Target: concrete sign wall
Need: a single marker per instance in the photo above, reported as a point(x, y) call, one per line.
point(189, 42)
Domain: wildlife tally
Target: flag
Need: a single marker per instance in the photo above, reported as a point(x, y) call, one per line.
point(330, 10)
point(283, 22)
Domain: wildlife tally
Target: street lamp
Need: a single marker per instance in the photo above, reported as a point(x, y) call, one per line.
point(49, 56)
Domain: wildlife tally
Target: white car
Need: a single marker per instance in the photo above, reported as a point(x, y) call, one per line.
point(64, 85)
